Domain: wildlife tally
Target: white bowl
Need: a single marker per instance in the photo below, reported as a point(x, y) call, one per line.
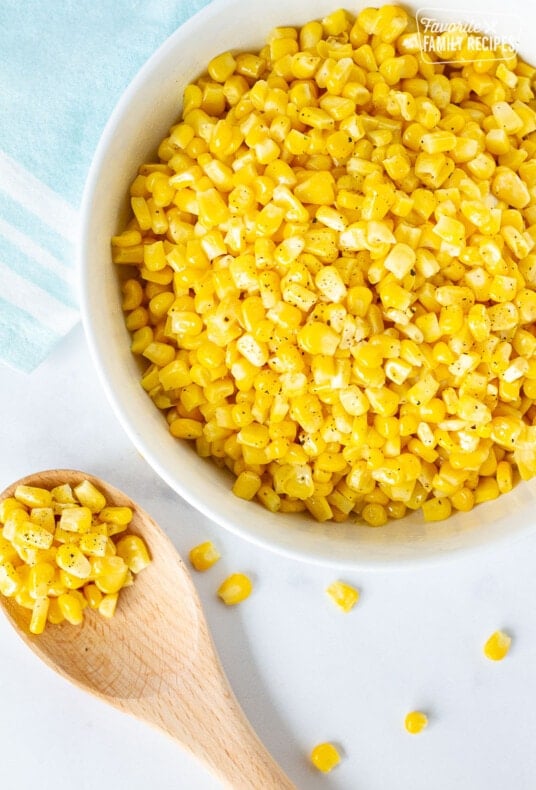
point(141, 119)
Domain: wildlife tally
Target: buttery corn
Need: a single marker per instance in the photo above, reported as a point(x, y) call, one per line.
point(57, 555)
point(338, 238)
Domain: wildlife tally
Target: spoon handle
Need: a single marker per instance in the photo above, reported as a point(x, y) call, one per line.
point(217, 732)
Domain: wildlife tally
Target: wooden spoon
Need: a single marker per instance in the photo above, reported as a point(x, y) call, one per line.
point(155, 658)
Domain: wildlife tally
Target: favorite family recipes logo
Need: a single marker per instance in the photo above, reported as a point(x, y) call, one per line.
point(444, 33)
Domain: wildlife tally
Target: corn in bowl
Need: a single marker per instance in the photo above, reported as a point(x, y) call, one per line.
point(333, 290)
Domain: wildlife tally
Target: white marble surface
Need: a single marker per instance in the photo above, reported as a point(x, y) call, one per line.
point(303, 671)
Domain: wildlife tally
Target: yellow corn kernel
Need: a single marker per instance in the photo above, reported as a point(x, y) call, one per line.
point(400, 260)
point(247, 485)
point(70, 559)
point(7, 506)
point(154, 256)
point(254, 435)
point(141, 212)
point(415, 722)
point(343, 595)
point(109, 573)
point(75, 519)
point(69, 582)
point(318, 338)
point(506, 117)
point(33, 496)
point(450, 230)
point(221, 67)
point(396, 509)
point(497, 141)
point(486, 490)
point(504, 477)
point(44, 517)
point(325, 757)
point(393, 295)
point(71, 608)
point(479, 322)
point(54, 615)
point(16, 518)
point(508, 186)
point(141, 338)
point(118, 515)
point(108, 605)
point(132, 295)
point(92, 595)
point(497, 646)
point(128, 238)
point(133, 550)
point(93, 544)
point(374, 514)
point(7, 551)
point(41, 577)
point(128, 255)
point(23, 599)
point(423, 391)
point(436, 509)
point(317, 504)
point(10, 580)
point(137, 319)
point(318, 189)
point(204, 556)
point(235, 589)
point(482, 166)
point(268, 498)
point(296, 142)
point(463, 500)
point(39, 616)
point(89, 496)
point(433, 169)
point(184, 428)
point(32, 536)
point(161, 354)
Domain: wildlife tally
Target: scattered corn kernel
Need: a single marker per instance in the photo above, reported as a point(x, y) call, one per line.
point(325, 757)
point(235, 589)
point(204, 556)
point(497, 646)
point(343, 595)
point(57, 556)
point(415, 722)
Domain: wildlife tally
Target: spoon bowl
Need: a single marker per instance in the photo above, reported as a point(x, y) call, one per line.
point(154, 658)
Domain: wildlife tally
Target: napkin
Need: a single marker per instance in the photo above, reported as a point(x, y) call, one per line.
point(63, 67)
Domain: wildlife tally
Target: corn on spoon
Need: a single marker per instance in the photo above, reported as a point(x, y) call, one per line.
point(155, 658)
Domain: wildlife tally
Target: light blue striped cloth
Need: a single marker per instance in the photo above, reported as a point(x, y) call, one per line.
point(63, 66)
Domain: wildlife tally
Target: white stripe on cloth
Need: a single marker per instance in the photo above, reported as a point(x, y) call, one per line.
point(36, 253)
point(37, 197)
point(38, 303)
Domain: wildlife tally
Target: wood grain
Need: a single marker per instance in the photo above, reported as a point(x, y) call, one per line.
point(155, 658)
